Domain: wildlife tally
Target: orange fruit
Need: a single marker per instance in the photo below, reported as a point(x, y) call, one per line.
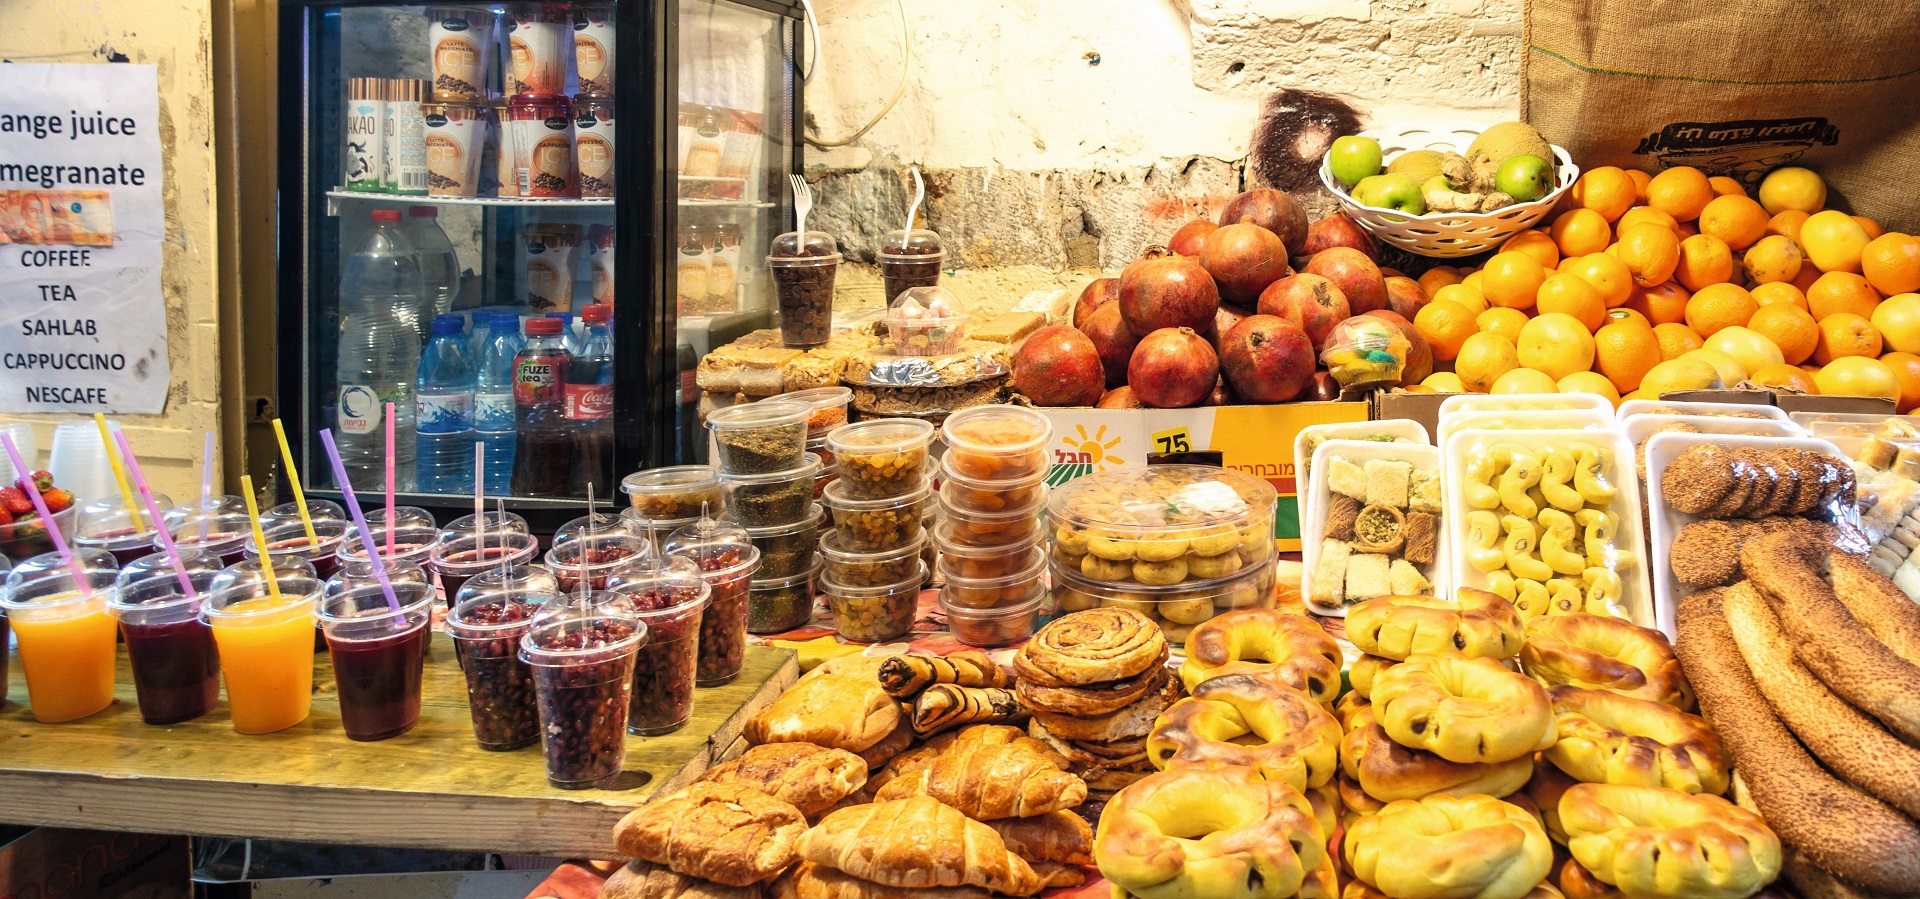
point(1724, 186)
point(1786, 223)
point(1719, 306)
point(1891, 263)
point(1465, 295)
point(1784, 376)
point(1789, 327)
point(1625, 350)
point(1581, 231)
point(1609, 276)
point(1640, 181)
point(1647, 215)
point(1511, 279)
point(1681, 192)
point(1906, 372)
point(1752, 349)
point(1661, 304)
point(1445, 325)
point(1688, 229)
point(1833, 240)
point(1735, 219)
point(1624, 314)
point(1809, 273)
point(1556, 343)
point(1792, 187)
point(1676, 340)
point(1898, 321)
point(1502, 321)
point(1651, 251)
point(1679, 374)
point(1606, 190)
point(1572, 295)
point(1704, 260)
point(1483, 359)
point(1858, 376)
point(1536, 243)
point(1437, 277)
point(1868, 225)
point(1472, 279)
point(1841, 292)
point(1844, 334)
point(1779, 292)
point(1772, 258)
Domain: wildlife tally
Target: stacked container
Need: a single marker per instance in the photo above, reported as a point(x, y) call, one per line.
point(993, 496)
point(879, 506)
point(663, 500)
point(761, 460)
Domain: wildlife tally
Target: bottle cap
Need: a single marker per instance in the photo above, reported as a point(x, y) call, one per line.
point(543, 327)
point(597, 312)
point(386, 215)
point(448, 324)
point(506, 321)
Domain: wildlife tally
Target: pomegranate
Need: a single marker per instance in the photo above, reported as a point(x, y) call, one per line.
point(1419, 355)
point(1354, 274)
point(1243, 259)
point(1274, 210)
point(1173, 368)
point(1267, 359)
point(1058, 366)
point(1223, 321)
point(1161, 290)
point(1406, 296)
point(1119, 398)
point(1310, 301)
point(1112, 340)
point(1188, 240)
point(1325, 388)
point(1098, 292)
point(1221, 395)
point(1337, 230)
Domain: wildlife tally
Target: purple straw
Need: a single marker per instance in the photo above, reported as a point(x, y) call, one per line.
point(40, 506)
point(153, 509)
point(360, 521)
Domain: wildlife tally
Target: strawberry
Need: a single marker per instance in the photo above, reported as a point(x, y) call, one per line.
point(15, 501)
point(42, 480)
point(57, 499)
point(6, 518)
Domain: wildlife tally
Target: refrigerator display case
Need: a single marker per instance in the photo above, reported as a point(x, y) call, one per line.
point(454, 172)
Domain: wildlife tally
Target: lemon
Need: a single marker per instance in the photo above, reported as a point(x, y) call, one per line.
point(1555, 343)
point(1444, 382)
point(1483, 358)
point(1729, 369)
point(1748, 347)
point(1678, 374)
point(1792, 187)
point(1590, 382)
point(1857, 376)
point(1525, 380)
point(1833, 240)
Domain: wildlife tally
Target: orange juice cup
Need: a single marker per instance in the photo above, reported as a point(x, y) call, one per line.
point(66, 642)
point(266, 651)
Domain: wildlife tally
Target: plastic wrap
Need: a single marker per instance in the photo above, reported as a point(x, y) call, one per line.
point(1365, 352)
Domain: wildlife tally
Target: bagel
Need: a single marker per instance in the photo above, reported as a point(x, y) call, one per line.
point(1299, 742)
point(1350, 705)
point(1480, 625)
point(1600, 652)
point(1387, 771)
point(1842, 830)
point(1609, 738)
point(1842, 737)
point(1286, 648)
point(1656, 843)
point(1357, 890)
point(1323, 882)
point(1546, 787)
point(1577, 882)
point(1365, 670)
point(1091, 647)
point(1192, 832)
point(1463, 710)
point(1444, 847)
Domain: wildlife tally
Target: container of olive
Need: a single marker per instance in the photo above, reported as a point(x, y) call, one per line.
point(788, 549)
point(883, 458)
point(988, 592)
point(773, 499)
point(876, 613)
point(1178, 608)
point(869, 525)
point(856, 568)
point(675, 493)
point(1162, 526)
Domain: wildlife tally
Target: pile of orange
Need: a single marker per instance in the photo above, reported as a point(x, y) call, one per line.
point(1633, 273)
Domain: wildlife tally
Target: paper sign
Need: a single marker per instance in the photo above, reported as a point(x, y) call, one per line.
point(82, 315)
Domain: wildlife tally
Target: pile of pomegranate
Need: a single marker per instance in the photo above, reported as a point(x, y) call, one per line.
point(1219, 314)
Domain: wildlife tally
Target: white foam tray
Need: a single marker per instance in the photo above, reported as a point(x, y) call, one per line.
point(1631, 408)
point(1405, 428)
point(1313, 520)
point(1525, 402)
point(1537, 420)
point(1640, 427)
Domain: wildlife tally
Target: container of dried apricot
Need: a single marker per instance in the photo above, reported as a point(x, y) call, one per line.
point(997, 443)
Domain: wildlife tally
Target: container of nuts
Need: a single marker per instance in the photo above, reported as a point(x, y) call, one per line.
point(486, 639)
point(664, 669)
point(873, 614)
point(997, 443)
point(771, 500)
point(778, 605)
point(582, 665)
point(829, 406)
point(870, 525)
point(681, 491)
point(883, 458)
point(998, 626)
point(988, 592)
point(855, 568)
point(760, 438)
point(788, 549)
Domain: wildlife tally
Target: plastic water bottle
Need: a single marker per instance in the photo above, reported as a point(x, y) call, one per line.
point(572, 338)
point(444, 463)
point(543, 454)
point(379, 352)
point(439, 266)
point(479, 331)
point(493, 420)
point(590, 403)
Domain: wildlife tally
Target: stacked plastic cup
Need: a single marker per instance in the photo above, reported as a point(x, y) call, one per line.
point(664, 669)
point(879, 507)
point(726, 560)
point(993, 497)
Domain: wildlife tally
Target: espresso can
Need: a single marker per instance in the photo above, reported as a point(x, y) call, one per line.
point(593, 144)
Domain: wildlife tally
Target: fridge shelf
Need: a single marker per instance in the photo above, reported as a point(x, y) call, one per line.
point(419, 200)
point(729, 204)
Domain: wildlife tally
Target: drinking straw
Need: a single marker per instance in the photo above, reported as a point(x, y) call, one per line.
point(591, 523)
point(390, 509)
point(206, 484)
point(480, 500)
point(360, 520)
point(119, 472)
point(153, 508)
point(260, 537)
point(293, 480)
point(40, 506)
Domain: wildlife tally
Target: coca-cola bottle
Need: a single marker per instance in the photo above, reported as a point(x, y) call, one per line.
point(543, 445)
point(590, 403)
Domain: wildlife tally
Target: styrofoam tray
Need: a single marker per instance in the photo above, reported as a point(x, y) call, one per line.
point(1408, 430)
point(1666, 522)
point(1659, 407)
point(1525, 402)
point(1538, 420)
point(1641, 427)
point(1459, 450)
point(1313, 520)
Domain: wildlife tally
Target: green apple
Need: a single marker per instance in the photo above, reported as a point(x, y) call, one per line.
point(1396, 192)
point(1525, 178)
point(1353, 158)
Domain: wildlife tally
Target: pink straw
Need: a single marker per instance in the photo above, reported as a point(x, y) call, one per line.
point(360, 520)
point(40, 506)
point(480, 499)
point(390, 515)
point(153, 509)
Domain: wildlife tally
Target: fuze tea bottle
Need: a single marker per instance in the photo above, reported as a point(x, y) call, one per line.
point(543, 447)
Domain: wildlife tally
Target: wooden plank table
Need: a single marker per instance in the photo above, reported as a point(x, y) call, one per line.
point(432, 787)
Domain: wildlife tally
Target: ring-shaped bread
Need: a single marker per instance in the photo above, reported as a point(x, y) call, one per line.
point(1365, 670)
point(1446, 847)
point(1600, 652)
point(1286, 648)
point(1387, 771)
point(1480, 625)
point(1195, 832)
point(1656, 843)
point(1609, 738)
point(1299, 742)
point(1358, 890)
point(1463, 710)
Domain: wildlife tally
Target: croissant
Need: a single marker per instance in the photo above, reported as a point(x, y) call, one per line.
point(810, 881)
point(992, 780)
point(832, 710)
point(811, 777)
point(725, 833)
point(902, 676)
point(1060, 836)
point(646, 880)
point(944, 706)
point(917, 843)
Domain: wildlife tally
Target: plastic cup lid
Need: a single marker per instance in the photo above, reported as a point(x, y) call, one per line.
point(815, 244)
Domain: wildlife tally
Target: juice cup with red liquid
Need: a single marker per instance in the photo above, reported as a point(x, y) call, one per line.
point(486, 635)
point(66, 636)
point(176, 668)
point(107, 526)
point(456, 558)
point(225, 534)
point(378, 650)
point(289, 513)
point(670, 605)
point(582, 665)
point(265, 645)
point(288, 542)
point(412, 545)
point(726, 560)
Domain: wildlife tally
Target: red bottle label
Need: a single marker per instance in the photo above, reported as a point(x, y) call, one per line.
point(536, 381)
point(586, 402)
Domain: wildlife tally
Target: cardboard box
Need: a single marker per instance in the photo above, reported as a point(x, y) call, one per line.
point(53, 862)
point(1421, 407)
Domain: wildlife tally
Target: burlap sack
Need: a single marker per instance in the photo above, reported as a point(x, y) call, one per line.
point(1736, 89)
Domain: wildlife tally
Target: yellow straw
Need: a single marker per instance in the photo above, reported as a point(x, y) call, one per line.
point(119, 473)
point(259, 536)
point(293, 480)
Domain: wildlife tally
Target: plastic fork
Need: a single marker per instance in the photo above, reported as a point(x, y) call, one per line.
point(802, 204)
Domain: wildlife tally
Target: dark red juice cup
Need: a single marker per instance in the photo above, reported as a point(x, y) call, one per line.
point(225, 535)
point(289, 541)
point(176, 669)
point(486, 638)
point(671, 606)
point(377, 652)
point(723, 626)
point(582, 675)
point(457, 559)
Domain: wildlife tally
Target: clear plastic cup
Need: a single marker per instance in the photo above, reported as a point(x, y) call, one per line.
point(771, 500)
point(925, 321)
point(868, 525)
point(777, 605)
point(727, 567)
point(317, 509)
point(970, 495)
point(512, 582)
point(997, 443)
point(486, 632)
point(859, 568)
point(829, 405)
point(176, 669)
point(997, 626)
point(994, 591)
point(874, 614)
point(403, 516)
point(909, 259)
point(496, 522)
point(803, 271)
point(378, 648)
point(655, 565)
point(677, 492)
point(760, 438)
point(456, 559)
point(883, 458)
point(654, 532)
point(266, 650)
point(288, 542)
point(790, 549)
point(160, 565)
point(249, 572)
point(594, 559)
point(106, 525)
point(224, 534)
point(412, 544)
point(66, 638)
point(664, 670)
point(582, 665)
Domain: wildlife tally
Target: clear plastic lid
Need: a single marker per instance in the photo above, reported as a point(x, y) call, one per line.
point(160, 565)
point(991, 433)
point(658, 599)
point(599, 552)
point(925, 307)
point(781, 583)
point(836, 551)
point(881, 435)
point(829, 406)
point(106, 521)
point(848, 591)
point(1162, 498)
point(763, 414)
point(595, 523)
point(402, 517)
point(1029, 568)
point(496, 522)
point(671, 481)
point(46, 564)
point(1026, 606)
point(836, 496)
point(511, 581)
point(707, 536)
point(903, 245)
point(961, 510)
point(817, 248)
point(816, 514)
point(484, 616)
point(248, 571)
point(808, 470)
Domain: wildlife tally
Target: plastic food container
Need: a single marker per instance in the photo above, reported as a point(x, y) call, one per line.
point(655, 532)
point(960, 527)
point(868, 525)
point(998, 626)
point(1424, 463)
point(829, 406)
point(595, 559)
point(855, 568)
point(981, 561)
point(1163, 525)
point(886, 457)
point(909, 259)
point(873, 614)
point(1537, 420)
point(970, 495)
point(926, 321)
point(760, 438)
point(771, 500)
point(1177, 609)
point(996, 443)
point(829, 466)
point(1365, 353)
point(1392, 430)
point(989, 592)
point(671, 605)
point(727, 560)
point(682, 491)
point(778, 605)
point(1723, 410)
point(787, 550)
